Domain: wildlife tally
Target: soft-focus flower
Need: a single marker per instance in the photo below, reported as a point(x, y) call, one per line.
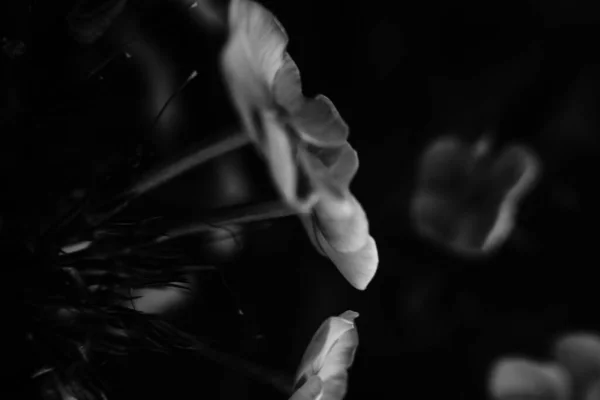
point(303, 141)
point(575, 374)
point(467, 198)
point(330, 354)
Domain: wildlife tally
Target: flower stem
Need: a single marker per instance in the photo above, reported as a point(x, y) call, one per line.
point(207, 151)
point(239, 215)
point(232, 216)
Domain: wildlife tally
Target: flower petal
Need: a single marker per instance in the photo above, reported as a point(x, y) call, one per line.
point(467, 198)
point(340, 231)
point(358, 267)
point(251, 58)
point(517, 378)
point(332, 170)
point(580, 355)
point(330, 354)
point(343, 224)
point(319, 123)
point(287, 86)
point(514, 174)
point(266, 89)
point(280, 154)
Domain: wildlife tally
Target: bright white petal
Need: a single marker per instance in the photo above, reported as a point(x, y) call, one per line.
point(330, 354)
point(358, 267)
point(342, 222)
point(251, 58)
point(348, 243)
point(514, 377)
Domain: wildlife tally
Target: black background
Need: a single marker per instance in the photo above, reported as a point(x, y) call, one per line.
point(401, 74)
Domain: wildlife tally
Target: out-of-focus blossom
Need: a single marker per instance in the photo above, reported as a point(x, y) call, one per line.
point(467, 198)
point(303, 141)
point(574, 375)
point(329, 355)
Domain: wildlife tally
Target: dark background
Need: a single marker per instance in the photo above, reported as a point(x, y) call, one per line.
point(401, 74)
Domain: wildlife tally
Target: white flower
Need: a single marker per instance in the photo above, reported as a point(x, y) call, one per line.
point(303, 141)
point(330, 354)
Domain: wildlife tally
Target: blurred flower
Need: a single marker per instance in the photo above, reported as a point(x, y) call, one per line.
point(303, 141)
point(574, 376)
point(467, 198)
point(329, 355)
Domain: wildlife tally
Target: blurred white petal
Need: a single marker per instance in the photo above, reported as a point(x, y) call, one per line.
point(330, 354)
point(467, 198)
point(515, 378)
point(527, 167)
point(580, 355)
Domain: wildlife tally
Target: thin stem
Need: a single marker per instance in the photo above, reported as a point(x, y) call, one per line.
point(207, 151)
point(239, 215)
point(242, 215)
